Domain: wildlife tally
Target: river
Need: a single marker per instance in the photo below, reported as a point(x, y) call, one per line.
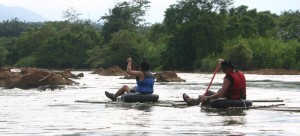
point(47, 113)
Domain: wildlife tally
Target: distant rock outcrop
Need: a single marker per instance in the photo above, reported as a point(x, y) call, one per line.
point(67, 74)
point(111, 71)
point(29, 78)
point(168, 76)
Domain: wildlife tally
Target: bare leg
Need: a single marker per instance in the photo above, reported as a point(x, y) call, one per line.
point(121, 91)
point(191, 101)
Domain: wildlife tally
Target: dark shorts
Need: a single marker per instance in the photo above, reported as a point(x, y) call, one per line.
point(132, 91)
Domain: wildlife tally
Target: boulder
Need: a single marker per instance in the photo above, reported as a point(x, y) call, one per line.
point(111, 71)
point(6, 77)
point(168, 76)
point(80, 75)
point(29, 78)
point(68, 74)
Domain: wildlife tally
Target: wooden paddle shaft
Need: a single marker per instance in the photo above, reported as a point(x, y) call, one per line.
point(217, 68)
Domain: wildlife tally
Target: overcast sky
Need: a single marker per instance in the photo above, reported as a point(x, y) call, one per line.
point(94, 9)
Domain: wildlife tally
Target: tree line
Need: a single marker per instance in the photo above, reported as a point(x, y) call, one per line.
point(192, 36)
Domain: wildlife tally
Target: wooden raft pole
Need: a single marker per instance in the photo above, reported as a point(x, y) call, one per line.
point(255, 101)
point(182, 104)
point(267, 100)
point(288, 109)
point(90, 101)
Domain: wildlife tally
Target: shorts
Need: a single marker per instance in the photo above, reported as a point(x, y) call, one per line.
point(132, 91)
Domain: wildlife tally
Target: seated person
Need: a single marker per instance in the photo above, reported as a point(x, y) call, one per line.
point(234, 86)
point(144, 79)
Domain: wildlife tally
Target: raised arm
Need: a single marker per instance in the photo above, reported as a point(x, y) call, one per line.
point(132, 72)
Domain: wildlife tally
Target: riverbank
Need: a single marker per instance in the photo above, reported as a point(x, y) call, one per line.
point(258, 71)
point(273, 72)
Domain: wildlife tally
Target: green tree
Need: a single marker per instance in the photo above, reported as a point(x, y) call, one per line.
point(272, 53)
point(124, 16)
point(241, 22)
point(3, 53)
point(208, 63)
point(153, 45)
point(157, 34)
point(57, 45)
point(71, 15)
point(266, 23)
point(122, 46)
point(6, 43)
point(30, 41)
point(13, 27)
point(196, 29)
point(69, 48)
point(240, 54)
point(288, 25)
point(151, 53)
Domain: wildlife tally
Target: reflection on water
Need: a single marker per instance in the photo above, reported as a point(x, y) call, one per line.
point(223, 112)
point(34, 112)
point(146, 107)
point(233, 121)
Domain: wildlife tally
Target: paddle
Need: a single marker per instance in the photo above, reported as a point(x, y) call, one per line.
point(217, 68)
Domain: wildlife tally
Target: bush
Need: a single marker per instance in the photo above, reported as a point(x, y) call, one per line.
point(26, 62)
point(240, 55)
point(209, 63)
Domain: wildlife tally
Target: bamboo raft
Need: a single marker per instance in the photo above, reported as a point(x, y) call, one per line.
point(182, 104)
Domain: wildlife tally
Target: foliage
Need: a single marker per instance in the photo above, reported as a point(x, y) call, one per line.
point(193, 36)
point(151, 53)
point(26, 62)
point(6, 49)
point(241, 22)
point(208, 63)
point(270, 53)
point(124, 16)
point(266, 22)
point(196, 31)
point(117, 51)
point(71, 14)
point(240, 54)
point(289, 26)
point(157, 34)
point(58, 44)
point(3, 53)
point(13, 27)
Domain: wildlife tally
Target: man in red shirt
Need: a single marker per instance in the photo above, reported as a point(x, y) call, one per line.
point(234, 86)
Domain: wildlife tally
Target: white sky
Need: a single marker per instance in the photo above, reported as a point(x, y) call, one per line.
point(94, 9)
